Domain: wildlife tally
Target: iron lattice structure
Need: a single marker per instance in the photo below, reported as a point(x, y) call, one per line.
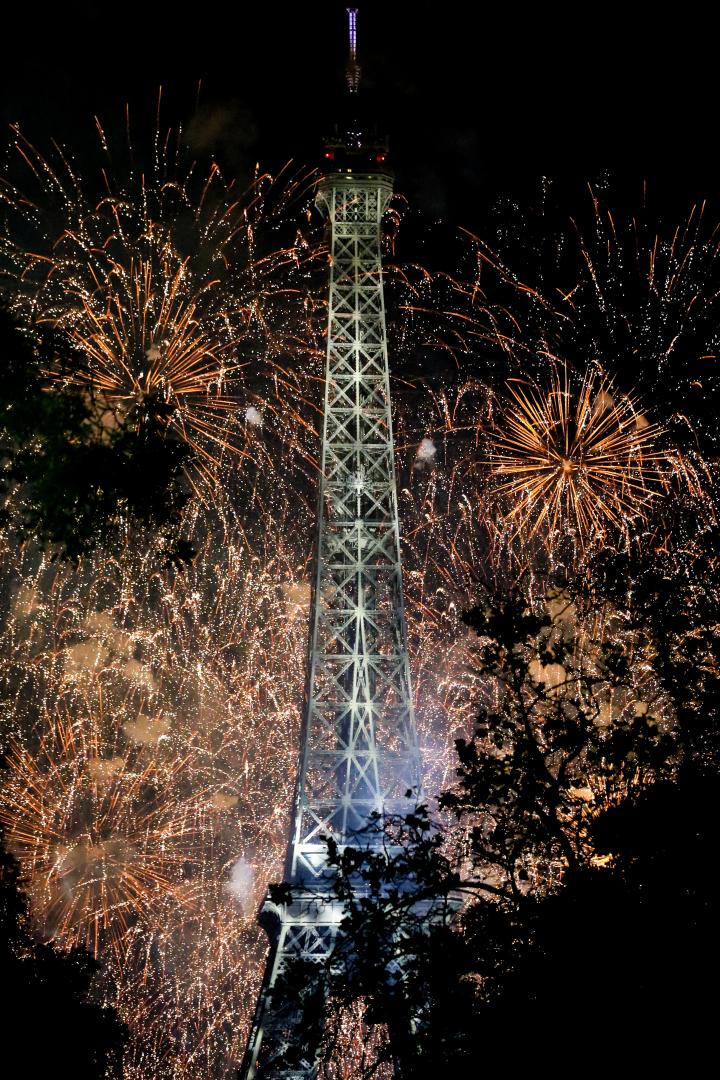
point(359, 751)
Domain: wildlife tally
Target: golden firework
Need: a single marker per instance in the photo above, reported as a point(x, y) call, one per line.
point(180, 298)
point(101, 837)
point(579, 457)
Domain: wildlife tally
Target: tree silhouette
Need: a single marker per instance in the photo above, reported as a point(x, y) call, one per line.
point(73, 469)
point(53, 1020)
point(567, 919)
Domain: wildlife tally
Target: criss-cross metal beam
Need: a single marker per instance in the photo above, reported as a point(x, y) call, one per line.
point(359, 751)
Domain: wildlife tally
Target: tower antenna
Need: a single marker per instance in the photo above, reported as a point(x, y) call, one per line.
point(352, 71)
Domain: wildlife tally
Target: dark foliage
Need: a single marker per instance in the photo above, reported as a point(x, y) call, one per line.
point(587, 935)
point(50, 1023)
point(675, 595)
point(72, 469)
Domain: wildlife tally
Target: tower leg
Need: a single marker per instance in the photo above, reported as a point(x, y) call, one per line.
point(290, 1016)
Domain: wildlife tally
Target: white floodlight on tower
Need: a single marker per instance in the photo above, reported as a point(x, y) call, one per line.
point(359, 751)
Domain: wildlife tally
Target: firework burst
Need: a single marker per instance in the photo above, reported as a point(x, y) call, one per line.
point(150, 767)
point(101, 838)
point(181, 298)
point(581, 456)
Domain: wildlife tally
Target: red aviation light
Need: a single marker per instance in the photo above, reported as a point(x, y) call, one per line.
point(330, 154)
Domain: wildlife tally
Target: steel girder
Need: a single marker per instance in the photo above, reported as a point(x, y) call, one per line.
point(359, 751)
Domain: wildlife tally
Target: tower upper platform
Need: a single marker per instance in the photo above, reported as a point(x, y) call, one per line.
point(355, 146)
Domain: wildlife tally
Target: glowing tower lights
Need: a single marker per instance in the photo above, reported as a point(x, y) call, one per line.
point(353, 68)
point(359, 750)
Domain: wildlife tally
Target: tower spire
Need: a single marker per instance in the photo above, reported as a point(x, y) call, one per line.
point(352, 70)
point(359, 753)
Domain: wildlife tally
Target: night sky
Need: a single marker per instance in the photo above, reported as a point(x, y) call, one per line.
point(478, 99)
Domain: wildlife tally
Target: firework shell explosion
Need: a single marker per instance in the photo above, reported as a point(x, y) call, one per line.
point(178, 295)
point(614, 292)
point(153, 715)
point(146, 802)
point(580, 456)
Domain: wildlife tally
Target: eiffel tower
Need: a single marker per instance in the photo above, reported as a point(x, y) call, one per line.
point(359, 750)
